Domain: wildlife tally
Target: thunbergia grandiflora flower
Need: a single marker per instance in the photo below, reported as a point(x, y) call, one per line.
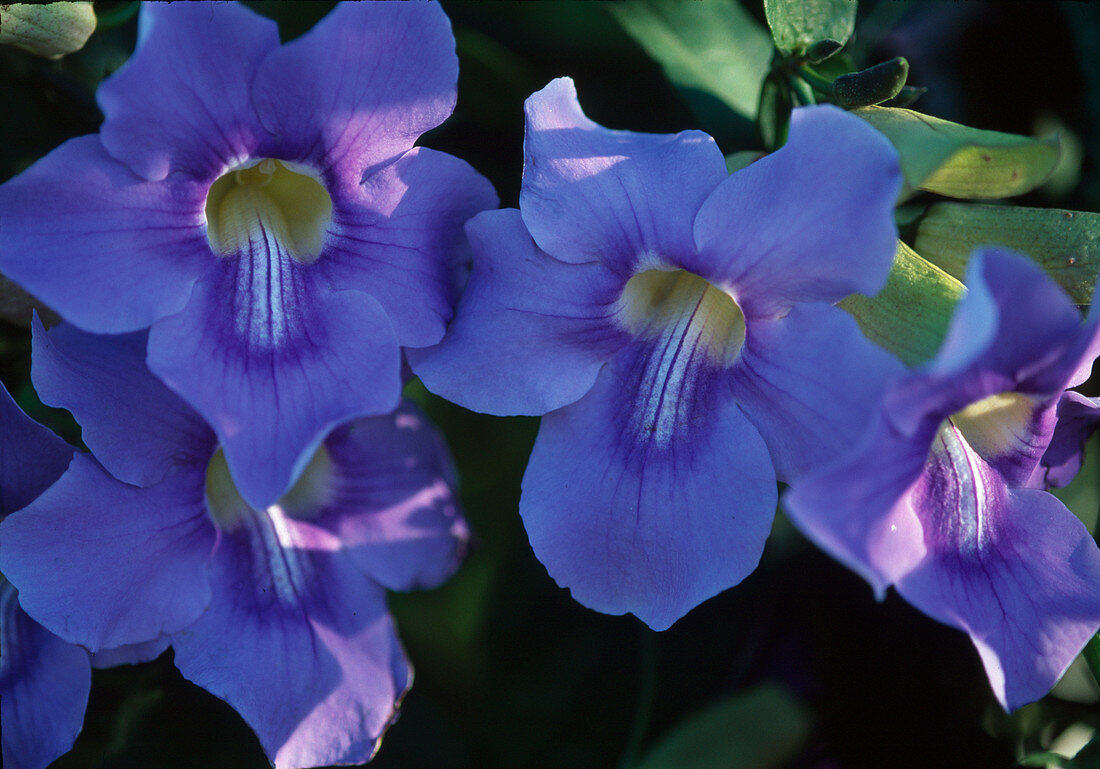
point(674, 326)
point(280, 611)
point(943, 498)
point(44, 681)
point(262, 208)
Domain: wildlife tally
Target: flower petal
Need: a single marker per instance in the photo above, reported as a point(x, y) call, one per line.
point(359, 88)
point(813, 221)
point(31, 457)
point(531, 332)
point(284, 591)
point(182, 102)
point(50, 681)
point(1078, 419)
point(858, 509)
point(104, 564)
point(1035, 325)
point(618, 197)
point(273, 360)
point(394, 509)
point(137, 428)
point(1031, 342)
point(810, 382)
point(650, 494)
point(132, 654)
point(110, 252)
point(1029, 596)
point(397, 235)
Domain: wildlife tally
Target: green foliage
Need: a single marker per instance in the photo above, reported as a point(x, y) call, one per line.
point(49, 30)
point(735, 161)
point(1065, 243)
point(757, 729)
point(1045, 760)
point(712, 50)
point(962, 162)
point(909, 317)
point(1092, 656)
point(1087, 758)
point(774, 115)
point(798, 24)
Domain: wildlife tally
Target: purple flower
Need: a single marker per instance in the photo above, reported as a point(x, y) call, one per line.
point(262, 208)
point(673, 325)
point(943, 497)
point(280, 611)
point(44, 681)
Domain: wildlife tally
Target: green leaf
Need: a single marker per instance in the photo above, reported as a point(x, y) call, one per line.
point(1088, 757)
point(910, 315)
point(962, 162)
point(1065, 243)
point(709, 49)
point(1045, 759)
point(1091, 653)
point(735, 161)
point(774, 116)
point(798, 24)
point(49, 30)
point(757, 729)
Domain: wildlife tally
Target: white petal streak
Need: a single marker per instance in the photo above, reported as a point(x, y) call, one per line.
point(961, 491)
point(668, 380)
point(280, 563)
point(266, 299)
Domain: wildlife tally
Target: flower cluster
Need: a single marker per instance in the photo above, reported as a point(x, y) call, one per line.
point(250, 258)
point(243, 251)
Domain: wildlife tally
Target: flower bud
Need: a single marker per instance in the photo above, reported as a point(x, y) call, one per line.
point(822, 50)
point(871, 86)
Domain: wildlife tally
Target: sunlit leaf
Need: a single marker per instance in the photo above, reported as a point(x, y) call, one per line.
point(962, 162)
point(909, 317)
point(758, 729)
point(797, 24)
point(50, 30)
point(1088, 757)
point(1065, 243)
point(712, 50)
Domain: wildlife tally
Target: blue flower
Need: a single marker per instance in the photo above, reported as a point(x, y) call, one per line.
point(674, 327)
point(44, 681)
point(281, 610)
point(943, 498)
point(263, 209)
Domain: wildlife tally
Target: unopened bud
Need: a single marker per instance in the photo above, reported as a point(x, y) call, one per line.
point(871, 86)
point(822, 50)
point(906, 96)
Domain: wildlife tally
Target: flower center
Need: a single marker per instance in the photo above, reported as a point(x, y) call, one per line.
point(657, 303)
point(305, 500)
point(268, 199)
point(993, 425)
point(959, 476)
